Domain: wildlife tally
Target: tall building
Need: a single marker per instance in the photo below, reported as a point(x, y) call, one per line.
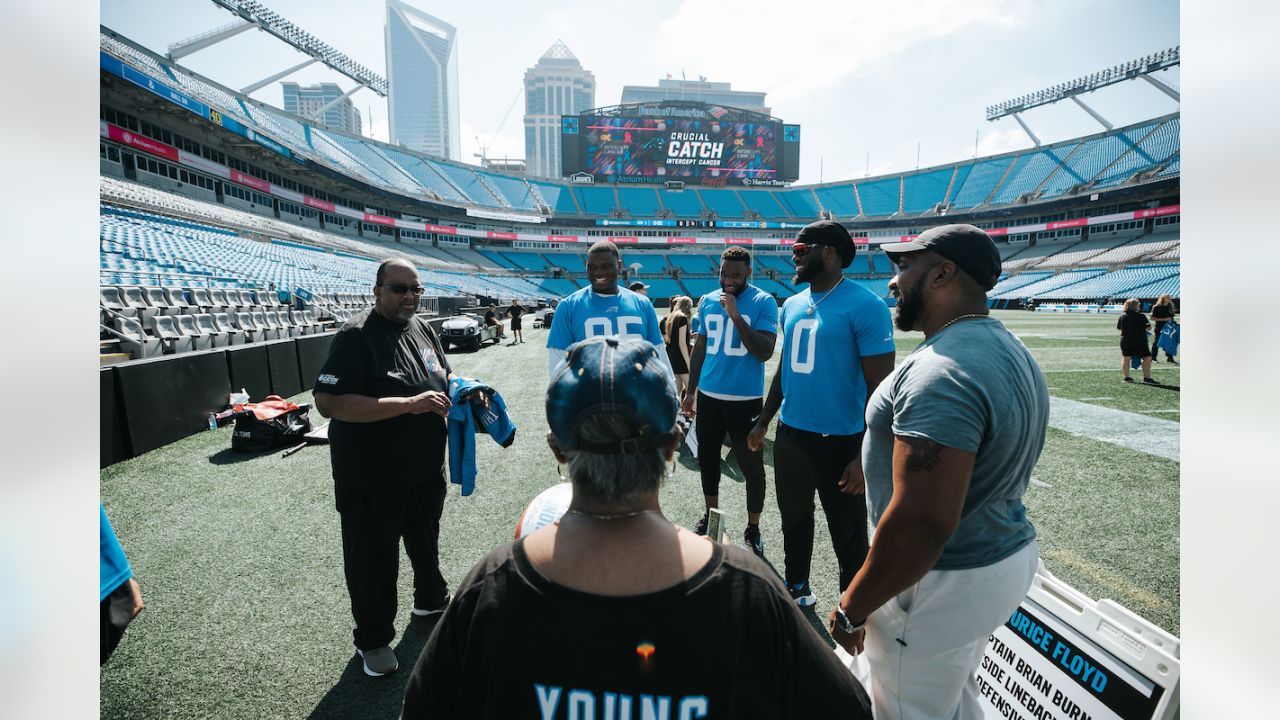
point(422, 79)
point(714, 93)
point(557, 85)
point(306, 101)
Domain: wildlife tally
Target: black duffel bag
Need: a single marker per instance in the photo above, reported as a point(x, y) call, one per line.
point(270, 424)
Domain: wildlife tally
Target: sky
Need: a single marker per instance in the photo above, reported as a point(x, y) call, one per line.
point(877, 87)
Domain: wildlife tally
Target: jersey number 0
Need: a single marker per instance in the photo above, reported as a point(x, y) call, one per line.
point(804, 342)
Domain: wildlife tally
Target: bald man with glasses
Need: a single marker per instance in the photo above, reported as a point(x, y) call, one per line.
point(385, 386)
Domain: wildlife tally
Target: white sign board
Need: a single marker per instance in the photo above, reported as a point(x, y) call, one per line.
point(1061, 656)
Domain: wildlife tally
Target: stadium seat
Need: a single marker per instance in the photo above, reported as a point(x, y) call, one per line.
point(287, 327)
point(267, 331)
point(220, 301)
point(235, 336)
point(109, 298)
point(187, 326)
point(177, 300)
point(201, 301)
point(158, 299)
point(206, 326)
point(247, 324)
point(135, 300)
point(173, 341)
point(137, 342)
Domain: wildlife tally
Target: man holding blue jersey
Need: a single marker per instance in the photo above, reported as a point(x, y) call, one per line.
point(726, 382)
point(602, 308)
point(837, 345)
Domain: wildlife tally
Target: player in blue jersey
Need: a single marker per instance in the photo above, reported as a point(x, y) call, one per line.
point(837, 345)
point(726, 382)
point(602, 308)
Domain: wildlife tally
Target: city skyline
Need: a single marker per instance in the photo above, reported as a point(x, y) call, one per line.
point(557, 85)
point(892, 88)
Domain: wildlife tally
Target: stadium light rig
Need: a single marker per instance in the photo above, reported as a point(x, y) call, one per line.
point(267, 19)
point(1141, 67)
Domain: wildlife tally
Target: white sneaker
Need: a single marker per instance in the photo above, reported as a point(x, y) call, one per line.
point(424, 612)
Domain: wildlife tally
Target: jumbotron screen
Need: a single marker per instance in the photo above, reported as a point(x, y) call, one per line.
point(704, 151)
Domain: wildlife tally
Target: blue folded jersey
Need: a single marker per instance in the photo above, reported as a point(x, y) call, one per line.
point(113, 568)
point(466, 419)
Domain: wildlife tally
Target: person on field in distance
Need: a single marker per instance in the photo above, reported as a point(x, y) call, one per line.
point(1133, 340)
point(739, 324)
point(516, 312)
point(837, 346)
point(675, 334)
point(601, 309)
point(491, 319)
point(953, 435)
point(614, 611)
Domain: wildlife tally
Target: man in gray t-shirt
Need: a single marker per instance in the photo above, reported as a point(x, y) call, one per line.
point(952, 437)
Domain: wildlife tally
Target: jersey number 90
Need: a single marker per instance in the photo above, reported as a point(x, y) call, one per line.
point(722, 334)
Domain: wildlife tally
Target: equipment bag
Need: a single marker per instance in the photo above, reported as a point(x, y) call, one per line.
point(272, 423)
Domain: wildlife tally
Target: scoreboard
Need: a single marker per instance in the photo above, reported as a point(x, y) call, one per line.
point(698, 145)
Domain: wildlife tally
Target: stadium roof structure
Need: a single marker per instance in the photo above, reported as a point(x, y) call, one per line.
point(682, 109)
point(256, 14)
point(1141, 67)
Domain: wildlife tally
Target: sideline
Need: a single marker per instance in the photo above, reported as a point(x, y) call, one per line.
point(1142, 433)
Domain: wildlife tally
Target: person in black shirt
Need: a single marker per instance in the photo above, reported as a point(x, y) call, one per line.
point(515, 312)
point(1133, 340)
point(1162, 312)
point(385, 386)
point(491, 318)
point(613, 611)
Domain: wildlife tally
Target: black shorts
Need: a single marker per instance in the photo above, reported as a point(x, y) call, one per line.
point(515, 323)
point(116, 611)
point(1134, 347)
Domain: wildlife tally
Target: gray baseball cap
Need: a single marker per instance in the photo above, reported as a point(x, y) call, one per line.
point(971, 249)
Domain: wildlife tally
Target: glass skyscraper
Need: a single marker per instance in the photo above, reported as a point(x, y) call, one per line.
point(557, 85)
point(306, 101)
point(422, 79)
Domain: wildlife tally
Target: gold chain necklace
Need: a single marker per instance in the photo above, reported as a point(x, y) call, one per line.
point(813, 305)
point(958, 319)
point(613, 516)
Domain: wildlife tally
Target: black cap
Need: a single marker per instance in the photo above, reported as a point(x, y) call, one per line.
point(637, 286)
point(827, 232)
point(971, 249)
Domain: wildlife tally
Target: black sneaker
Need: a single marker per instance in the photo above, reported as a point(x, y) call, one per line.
point(1128, 379)
point(701, 527)
point(751, 536)
point(801, 594)
point(1150, 381)
point(436, 610)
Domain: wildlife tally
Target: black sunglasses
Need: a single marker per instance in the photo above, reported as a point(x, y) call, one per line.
point(402, 288)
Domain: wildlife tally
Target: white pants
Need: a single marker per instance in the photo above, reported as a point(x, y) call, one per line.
point(924, 645)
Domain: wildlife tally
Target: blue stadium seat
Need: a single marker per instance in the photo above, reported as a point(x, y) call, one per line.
point(724, 203)
point(1030, 171)
point(763, 203)
point(879, 197)
point(800, 202)
point(922, 191)
point(980, 181)
point(640, 202)
point(838, 199)
point(596, 200)
point(683, 204)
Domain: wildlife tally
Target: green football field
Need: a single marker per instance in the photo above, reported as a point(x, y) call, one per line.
point(240, 561)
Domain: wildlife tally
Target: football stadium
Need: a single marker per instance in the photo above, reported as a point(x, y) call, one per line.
point(236, 237)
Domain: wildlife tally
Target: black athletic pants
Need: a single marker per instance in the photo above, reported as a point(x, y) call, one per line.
point(373, 523)
point(803, 462)
point(116, 611)
point(735, 417)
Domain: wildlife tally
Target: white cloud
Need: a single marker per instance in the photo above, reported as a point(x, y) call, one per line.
point(802, 48)
point(999, 140)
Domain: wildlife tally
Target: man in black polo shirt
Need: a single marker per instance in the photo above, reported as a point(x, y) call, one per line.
point(385, 385)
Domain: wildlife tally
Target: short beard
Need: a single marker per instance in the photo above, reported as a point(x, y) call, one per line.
point(808, 269)
point(910, 305)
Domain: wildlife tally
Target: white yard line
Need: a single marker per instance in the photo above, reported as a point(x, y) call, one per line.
point(1142, 433)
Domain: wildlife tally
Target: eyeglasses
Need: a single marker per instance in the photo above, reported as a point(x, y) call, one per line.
point(402, 288)
point(803, 248)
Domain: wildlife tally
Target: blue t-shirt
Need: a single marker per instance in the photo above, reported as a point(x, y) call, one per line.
point(823, 390)
point(113, 567)
point(586, 314)
point(728, 370)
point(972, 387)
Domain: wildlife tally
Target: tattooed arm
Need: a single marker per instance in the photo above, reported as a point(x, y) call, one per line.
point(929, 486)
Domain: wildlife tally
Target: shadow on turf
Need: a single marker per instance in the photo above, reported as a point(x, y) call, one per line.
point(227, 456)
point(358, 695)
